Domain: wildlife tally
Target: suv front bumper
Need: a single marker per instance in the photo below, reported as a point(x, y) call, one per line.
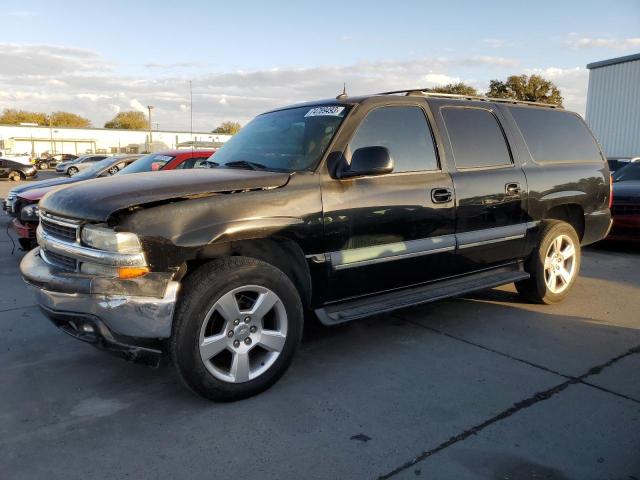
point(130, 313)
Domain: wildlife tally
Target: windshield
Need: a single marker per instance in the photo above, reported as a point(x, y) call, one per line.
point(631, 171)
point(95, 168)
point(148, 163)
point(286, 140)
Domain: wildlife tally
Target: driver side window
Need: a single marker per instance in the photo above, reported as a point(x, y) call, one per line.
point(404, 131)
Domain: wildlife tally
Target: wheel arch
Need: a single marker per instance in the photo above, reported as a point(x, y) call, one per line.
point(283, 253)
point(571, 213)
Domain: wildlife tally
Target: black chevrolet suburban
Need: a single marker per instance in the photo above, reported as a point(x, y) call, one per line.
point(341, 209)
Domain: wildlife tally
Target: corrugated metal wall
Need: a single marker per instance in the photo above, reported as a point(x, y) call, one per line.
point(613, 108)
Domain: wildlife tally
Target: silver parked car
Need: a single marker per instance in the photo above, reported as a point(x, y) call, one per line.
point(81, 163)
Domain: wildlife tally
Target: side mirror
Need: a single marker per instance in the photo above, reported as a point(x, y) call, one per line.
point(367, 161)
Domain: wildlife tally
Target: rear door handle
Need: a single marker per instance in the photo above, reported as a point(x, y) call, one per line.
point(513, 189)
point(441, 195)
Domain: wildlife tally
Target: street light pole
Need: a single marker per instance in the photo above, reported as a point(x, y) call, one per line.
point(150, 107)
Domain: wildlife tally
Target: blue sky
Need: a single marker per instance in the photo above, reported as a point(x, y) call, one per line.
point(245, 57)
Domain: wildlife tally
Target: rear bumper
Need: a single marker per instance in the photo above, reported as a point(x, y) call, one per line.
point(625, 227)
point(140, 308)
point(596, 226)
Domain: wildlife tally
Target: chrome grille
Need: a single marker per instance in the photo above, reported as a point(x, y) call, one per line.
point(59, 229)
point(626, 210)
point(58, 260)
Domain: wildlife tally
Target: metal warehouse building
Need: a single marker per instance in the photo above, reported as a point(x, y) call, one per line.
point(613, 105)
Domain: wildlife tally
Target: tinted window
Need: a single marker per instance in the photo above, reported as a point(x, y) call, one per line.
point(148, 163)
point(194, 162)
point(629, 172)
point(404, 131)
point(476, 138)
point(555, 136)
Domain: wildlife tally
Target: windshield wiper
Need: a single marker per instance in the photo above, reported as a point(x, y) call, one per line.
point(245, 164)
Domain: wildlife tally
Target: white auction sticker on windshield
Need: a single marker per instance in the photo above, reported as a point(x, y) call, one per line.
point(331, 111)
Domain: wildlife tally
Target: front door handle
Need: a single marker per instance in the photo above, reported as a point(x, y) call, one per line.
point(441, 195)
point(513, 189)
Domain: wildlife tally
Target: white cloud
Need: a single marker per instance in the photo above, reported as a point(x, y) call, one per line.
point(576, 41)
point(494, 42)
point(48, 78)
point(136, 105)
point(572, 83)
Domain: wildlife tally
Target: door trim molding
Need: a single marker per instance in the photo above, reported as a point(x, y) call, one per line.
point(386, 252)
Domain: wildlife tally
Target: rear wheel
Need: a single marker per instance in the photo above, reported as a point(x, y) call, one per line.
point(16, 176)
point(236, 328)
point(113, 170)
point(553, 266)
point(72, 171)
point(43, 165)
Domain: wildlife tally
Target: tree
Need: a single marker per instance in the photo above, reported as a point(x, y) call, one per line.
point(68, 119)
point(456, 89)
point(522, 87)
point(229, 128)
point(11, 116)
point(131, 120)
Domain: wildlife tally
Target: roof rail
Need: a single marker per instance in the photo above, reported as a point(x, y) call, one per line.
point(426, 93)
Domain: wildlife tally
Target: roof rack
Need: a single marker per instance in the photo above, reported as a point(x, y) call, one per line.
point(426, 93)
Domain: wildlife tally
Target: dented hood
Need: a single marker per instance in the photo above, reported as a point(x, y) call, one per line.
point(96, 200)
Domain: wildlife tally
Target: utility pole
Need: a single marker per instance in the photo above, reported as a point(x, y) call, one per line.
point(150, 107)
point(51, 152)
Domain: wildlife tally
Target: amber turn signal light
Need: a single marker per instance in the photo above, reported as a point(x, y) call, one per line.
point(132, 272)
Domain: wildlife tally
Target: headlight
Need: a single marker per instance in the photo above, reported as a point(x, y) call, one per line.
point(30, 213)
point(109, 240)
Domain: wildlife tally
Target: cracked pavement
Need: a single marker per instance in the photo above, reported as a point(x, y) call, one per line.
point(482, 386)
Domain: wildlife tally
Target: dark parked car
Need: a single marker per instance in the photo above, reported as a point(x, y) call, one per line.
point(346, 208)
point(27, 219)
point(23, 201)
point(16, 171)
point(53, 160)
point(616, 164)
point(626, 203)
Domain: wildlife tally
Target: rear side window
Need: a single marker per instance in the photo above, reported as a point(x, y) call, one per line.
point(555, 136)
point(404, 131)
point(476, 138)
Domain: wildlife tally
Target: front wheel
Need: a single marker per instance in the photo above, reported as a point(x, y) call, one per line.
point(236, 328)
point(43, 166)
point(553, 266)
point(113, 170)
point(72, 171)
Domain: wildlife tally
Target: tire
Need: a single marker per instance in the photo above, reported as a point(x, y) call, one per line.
point(552, 275)
point(198, 316)
point(27, 244)
point(16, 176)
point(71, 171)
point(43, 166)
point(113, 170)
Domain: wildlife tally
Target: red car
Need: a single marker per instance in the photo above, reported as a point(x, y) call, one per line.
point(26, 223)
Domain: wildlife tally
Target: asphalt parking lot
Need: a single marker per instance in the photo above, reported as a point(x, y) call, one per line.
point(482, 386)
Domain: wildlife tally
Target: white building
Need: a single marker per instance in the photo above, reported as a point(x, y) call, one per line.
point(613, 105)
point(35, 140)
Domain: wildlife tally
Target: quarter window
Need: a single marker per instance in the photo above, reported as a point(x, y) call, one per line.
point(555, 136)
point(404, 131)
point(476, 138)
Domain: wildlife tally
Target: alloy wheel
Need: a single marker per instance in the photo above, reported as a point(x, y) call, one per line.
point(243, 334)
point(560, 264)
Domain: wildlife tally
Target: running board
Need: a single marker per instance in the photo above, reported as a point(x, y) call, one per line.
point(387, 302)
